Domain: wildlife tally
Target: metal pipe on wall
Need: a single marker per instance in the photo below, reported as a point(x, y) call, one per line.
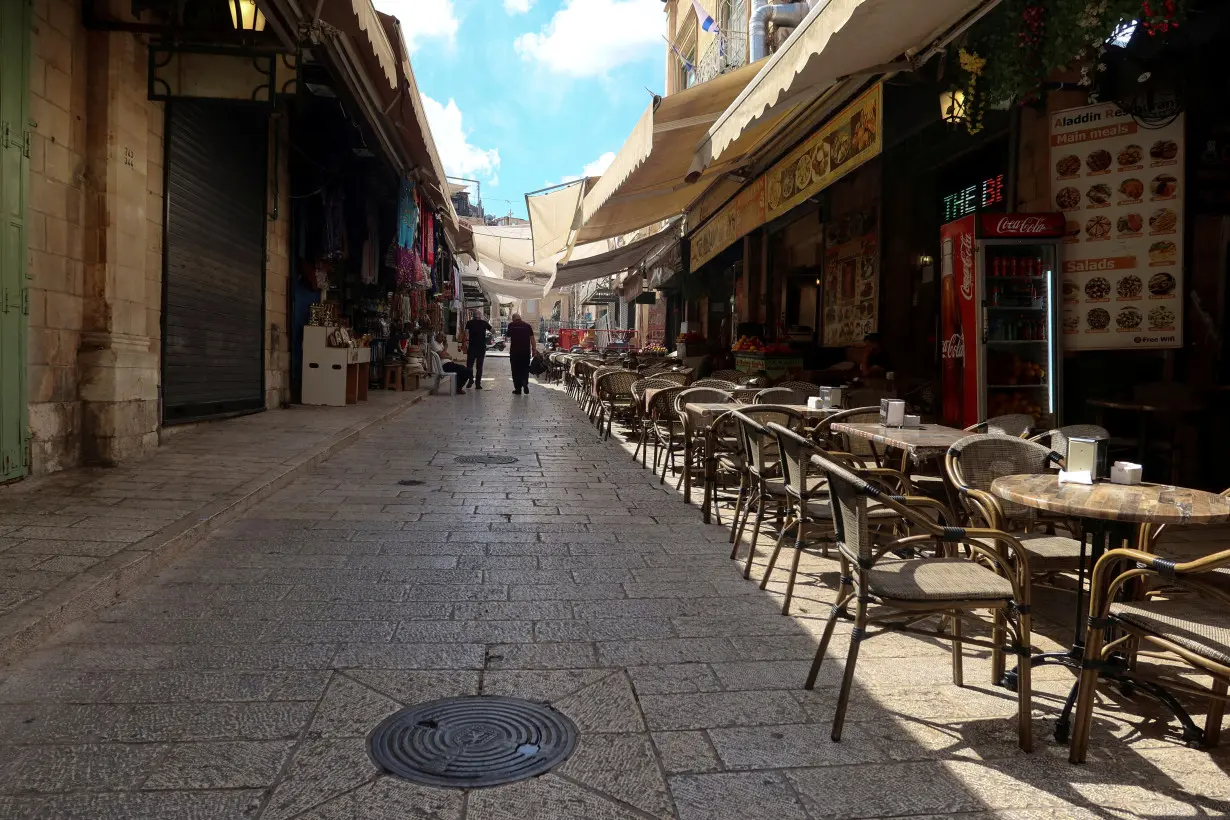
point(786, 15)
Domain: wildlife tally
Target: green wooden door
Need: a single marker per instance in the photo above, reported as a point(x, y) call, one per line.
point(14, 296)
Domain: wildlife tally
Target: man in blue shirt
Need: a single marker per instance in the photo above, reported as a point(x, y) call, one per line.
point(476, 347)
point(521, 347)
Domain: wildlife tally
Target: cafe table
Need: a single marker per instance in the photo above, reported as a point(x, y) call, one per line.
point(699, 418)
point(1110, 514)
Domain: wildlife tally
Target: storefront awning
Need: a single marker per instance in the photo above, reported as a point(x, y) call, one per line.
point(838, 38)
point(611, 262)
point(512, 246)
point(554, 215)
point(495, 287)
point(645, 183)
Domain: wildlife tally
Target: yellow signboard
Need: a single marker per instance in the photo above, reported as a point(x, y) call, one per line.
point(843, 144)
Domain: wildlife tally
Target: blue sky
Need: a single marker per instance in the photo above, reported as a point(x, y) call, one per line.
point(522, 94)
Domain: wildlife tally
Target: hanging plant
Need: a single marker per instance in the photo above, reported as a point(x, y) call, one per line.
point(973, 66)
point(1025, 41)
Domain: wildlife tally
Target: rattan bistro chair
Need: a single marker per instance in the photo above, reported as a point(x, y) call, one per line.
point(762, 483)
point(1193, 629)
point(691, 434)
point(641, 417)
point(853, 447)
point(803, 388)
point(745, 395)
point(615, 399)
point(780, 395)
point(735, 376)
point(907, 592)
point(1017, 425)
point(661, 427)
point(720, 384)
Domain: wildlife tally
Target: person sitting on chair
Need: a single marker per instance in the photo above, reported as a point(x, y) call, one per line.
point(436, 346)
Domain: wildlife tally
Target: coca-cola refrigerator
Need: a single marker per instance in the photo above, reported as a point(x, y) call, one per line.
point(1000, 320)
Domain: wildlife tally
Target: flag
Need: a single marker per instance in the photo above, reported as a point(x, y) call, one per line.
point(687, 66)
point(703, 18)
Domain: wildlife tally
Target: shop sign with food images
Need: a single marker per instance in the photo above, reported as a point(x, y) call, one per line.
point(851, 278)
point(1120, 187)
point(744, 214)
point(843, 144)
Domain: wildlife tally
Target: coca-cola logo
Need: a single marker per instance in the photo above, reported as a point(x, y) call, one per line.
point(954, 347)
point(1029, 225)
point(967, 266)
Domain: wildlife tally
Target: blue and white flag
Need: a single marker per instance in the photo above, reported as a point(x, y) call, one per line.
point(687, 65)
point(702, 17)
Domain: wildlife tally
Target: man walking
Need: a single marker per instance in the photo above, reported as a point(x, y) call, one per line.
point(521, 347)
point(476, 347)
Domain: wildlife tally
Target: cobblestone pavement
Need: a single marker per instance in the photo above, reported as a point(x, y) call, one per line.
point(242, 681)
point(69, 542)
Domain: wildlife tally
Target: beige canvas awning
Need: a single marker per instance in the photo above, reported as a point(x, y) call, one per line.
point(554, 215)
point(837, 39)
point(645, 183)
point(612, 262)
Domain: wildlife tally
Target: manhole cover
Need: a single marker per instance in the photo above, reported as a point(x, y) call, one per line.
point(410, 482)
point(486, 460)
point(472, 742)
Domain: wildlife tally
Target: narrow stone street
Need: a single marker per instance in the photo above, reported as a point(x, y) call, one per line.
point(243, 681)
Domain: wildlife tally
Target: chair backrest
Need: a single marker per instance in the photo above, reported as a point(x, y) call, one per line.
point(757, 443)
point(662, 408)
point(616, 385)
point(1057, 439)
point(855, 445)
point(728, 375)
point(674, 376)
point(976, 461)
point(796, 453)
point(806, 389)
point(720, 384)
point(698, 395)
point(1013, 424)
point(645, 383)
point(745, 394)
point(779, 395)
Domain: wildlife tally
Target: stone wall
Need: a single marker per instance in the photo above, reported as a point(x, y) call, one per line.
point(95, 248)
point(277, 269)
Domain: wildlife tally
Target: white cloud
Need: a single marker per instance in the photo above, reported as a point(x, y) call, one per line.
point(422, 19)
point(591, 169)
point(460, 158)
point(588, 38)
point(518, 6)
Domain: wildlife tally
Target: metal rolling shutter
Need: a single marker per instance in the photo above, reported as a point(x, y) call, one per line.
point(214, 280)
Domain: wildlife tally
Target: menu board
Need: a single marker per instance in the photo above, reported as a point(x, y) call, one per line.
point(851, 280)
point(1120, 186)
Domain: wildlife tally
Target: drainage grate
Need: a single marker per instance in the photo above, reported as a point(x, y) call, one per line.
point(486, 460)
point(472, 742)
point(410, 482)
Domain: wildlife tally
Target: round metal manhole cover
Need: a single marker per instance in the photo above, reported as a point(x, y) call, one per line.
point(472, 742)
point(486, 460)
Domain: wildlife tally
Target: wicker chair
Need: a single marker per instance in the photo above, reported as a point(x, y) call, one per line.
point(779, 395)
point(807, 493)
point(720, 384)
point(641, 414)
point(590, 399)
point(661, 426)
point(854, 447)
point(693, 455)
point(1191, 629)
point(806, 389)
point(745, 395)
point(1057, 439)
point(679, 377)
point(615, 398)
point(761, 482)
point(1017, 425)
point(906, 592)
point(735, 376)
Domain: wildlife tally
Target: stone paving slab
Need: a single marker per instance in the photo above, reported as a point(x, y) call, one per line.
point(241, 682)
point(74, 541)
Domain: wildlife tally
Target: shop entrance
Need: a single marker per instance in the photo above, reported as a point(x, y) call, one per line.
point(214, 280)
point(14, 296)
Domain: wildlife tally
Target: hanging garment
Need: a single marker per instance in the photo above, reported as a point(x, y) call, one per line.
point(369, 266)
point(407, 215)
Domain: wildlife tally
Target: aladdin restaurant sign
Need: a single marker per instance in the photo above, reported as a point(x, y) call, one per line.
point(843, 144)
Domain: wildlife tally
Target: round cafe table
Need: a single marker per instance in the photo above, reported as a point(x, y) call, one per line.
point(1110, 514)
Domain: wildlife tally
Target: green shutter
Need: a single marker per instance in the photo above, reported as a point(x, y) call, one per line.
point(14, 295)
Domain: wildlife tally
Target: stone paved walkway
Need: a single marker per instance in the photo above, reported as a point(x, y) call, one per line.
point(242, 681)
point(70, 542)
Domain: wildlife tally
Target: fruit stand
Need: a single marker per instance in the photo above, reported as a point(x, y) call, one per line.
point(775, 360)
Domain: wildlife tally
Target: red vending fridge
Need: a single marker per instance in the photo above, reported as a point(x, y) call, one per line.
point(999, 281)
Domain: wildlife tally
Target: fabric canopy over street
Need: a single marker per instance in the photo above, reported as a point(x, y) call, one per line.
point(554, 214)
point(645, 183)
point(511, 246)
point(611, 262)
point(838, 38)
point(496, 287)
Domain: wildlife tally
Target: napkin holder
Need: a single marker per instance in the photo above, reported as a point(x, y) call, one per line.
point(1088, 455)
point(913, 422)
point(1125, 472)
point(892, 412)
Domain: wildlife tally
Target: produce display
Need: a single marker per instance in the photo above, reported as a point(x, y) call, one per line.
point(752, 344)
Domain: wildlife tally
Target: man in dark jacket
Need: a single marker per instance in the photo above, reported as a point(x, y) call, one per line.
point(521, 348)
point(476, 347)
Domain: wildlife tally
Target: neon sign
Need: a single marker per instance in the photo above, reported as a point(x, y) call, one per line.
point(987, 194)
